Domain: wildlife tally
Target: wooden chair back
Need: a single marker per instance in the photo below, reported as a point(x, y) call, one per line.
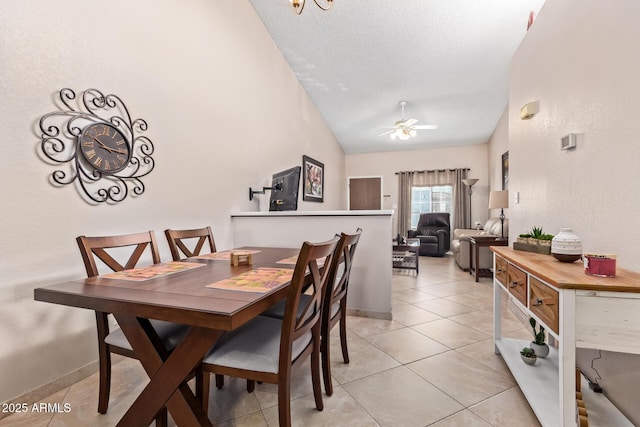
point(96, 247)
point(346, 250)
point(177, 240)
point(297, 322)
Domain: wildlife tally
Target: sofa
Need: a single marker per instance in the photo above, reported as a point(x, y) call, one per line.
point(460, 243)
point(433, 231)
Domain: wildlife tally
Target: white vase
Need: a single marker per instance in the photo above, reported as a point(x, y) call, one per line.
point(566, 246)
point(542, 350)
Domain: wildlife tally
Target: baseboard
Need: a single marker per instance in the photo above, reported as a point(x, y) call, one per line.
point(369, 314)
point(46, 390)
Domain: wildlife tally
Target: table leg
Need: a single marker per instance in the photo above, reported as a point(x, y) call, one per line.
point(477, 256)
point(168, 373)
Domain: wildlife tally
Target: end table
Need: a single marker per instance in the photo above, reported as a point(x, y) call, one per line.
point(475, 243)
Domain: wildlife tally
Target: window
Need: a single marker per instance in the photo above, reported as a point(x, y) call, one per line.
point(429, 199)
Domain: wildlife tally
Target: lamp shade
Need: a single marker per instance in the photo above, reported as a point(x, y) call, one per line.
point(499, 199)
point(469, 181)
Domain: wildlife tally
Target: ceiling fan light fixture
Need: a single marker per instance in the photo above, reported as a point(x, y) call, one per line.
point(298, 5)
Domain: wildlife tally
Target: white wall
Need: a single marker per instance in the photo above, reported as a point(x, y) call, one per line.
point(388, 163)
point(224, 110)
point(580, 61)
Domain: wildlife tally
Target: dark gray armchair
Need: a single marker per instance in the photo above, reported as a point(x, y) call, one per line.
point(434, 233)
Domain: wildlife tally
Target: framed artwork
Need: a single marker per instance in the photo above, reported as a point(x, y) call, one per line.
point(312, 180)
point(505, 170)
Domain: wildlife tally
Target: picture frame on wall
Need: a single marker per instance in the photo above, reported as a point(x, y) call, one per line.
point(505, 170)
point(312, 180)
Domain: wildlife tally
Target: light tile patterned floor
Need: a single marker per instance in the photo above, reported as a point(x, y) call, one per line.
point(432, 365)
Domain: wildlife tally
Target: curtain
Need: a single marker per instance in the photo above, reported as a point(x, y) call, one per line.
point(453, 177)
point(405, 180)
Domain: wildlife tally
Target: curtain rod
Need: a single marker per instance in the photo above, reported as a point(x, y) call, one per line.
point(433, 170)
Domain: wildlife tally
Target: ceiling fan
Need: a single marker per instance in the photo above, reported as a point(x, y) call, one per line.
point(405, 129)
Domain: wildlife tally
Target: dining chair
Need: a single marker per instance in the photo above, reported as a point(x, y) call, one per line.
point(334, 304)
point(180, 241)
point(265, 349)
point(133, 245)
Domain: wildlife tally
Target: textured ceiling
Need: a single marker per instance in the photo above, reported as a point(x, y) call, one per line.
point(449, 59)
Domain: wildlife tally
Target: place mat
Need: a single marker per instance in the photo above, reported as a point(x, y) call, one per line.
point(292, 260)
point(226, 255)
point(262, 280)
point(153, 271)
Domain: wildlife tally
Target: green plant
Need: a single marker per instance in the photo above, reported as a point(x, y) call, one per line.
point(525, 236)
point(538, 337)
point(536, 232)
point(528, 352)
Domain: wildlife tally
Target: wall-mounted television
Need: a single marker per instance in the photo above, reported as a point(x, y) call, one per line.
point(284, 190)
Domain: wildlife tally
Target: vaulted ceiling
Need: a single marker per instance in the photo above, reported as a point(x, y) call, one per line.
point(448, 59)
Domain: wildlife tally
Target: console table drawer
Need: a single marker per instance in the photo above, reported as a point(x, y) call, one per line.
point(501, 270)
point(517, 283)
point(543, 302)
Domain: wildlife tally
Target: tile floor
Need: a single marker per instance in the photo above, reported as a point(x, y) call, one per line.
point(432, 365)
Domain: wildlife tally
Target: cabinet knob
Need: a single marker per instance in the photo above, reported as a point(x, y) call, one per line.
point(514, 284)
point(498, 271)
point(538, 301)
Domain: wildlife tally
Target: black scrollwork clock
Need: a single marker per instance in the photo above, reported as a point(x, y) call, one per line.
point(103, 149)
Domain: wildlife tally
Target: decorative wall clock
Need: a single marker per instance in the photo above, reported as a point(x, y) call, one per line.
point(103, 149)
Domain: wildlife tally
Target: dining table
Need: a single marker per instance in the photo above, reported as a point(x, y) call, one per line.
point(209, 298)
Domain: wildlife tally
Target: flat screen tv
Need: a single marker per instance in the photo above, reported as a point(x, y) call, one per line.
point(284, 190)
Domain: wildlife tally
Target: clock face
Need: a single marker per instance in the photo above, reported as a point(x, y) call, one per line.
point(104, 147)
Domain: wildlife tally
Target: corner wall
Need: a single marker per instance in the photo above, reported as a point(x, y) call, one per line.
point(224, 110)
point(580, 61)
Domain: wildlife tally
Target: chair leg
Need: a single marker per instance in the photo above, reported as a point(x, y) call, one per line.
point(251, 386)
point(343, 337)
point(325, 350)
point(105, 378)
point(315, 376)
point(161, 418)
point(203, 380)
point(219, 381)
point(284, 401)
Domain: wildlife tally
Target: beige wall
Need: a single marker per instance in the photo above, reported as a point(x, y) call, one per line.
point(580, 61)
point(388, 163)
point(224, 110)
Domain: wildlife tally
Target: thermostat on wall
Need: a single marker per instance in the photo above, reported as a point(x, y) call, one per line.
point(569, 141)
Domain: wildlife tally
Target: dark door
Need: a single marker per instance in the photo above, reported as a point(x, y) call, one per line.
point(365, 193)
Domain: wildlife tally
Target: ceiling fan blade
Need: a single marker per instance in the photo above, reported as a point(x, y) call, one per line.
point(411, 122)
point(387, 133)
point(425, 127)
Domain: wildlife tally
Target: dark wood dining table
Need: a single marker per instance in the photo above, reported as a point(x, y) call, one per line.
point(181, 297)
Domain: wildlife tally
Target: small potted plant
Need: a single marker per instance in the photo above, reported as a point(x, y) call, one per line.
point(528, 355)
point(538, 344)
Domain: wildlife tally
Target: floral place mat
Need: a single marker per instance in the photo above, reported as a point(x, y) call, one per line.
point(292, 260)
point(262, 280)
point(157, 270)
point(226, 255)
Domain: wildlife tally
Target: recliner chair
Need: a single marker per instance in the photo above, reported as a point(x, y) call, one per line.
point(433, 231)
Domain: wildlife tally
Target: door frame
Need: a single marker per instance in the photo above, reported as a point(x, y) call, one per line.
point(348, 192)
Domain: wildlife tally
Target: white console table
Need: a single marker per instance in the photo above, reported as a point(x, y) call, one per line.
point(579, 311)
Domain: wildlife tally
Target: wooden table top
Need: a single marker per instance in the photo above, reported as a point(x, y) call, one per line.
point(569, 275)
point(180, 297)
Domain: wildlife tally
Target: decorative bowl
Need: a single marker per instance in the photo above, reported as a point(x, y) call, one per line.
point(567, 257)
point(529, 360)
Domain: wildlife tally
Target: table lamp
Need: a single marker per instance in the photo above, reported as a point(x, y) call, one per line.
point(499, 200)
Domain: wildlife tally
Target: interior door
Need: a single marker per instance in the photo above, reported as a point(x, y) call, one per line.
point(365, 193)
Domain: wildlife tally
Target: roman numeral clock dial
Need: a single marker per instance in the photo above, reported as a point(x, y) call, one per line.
point(104, 147)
